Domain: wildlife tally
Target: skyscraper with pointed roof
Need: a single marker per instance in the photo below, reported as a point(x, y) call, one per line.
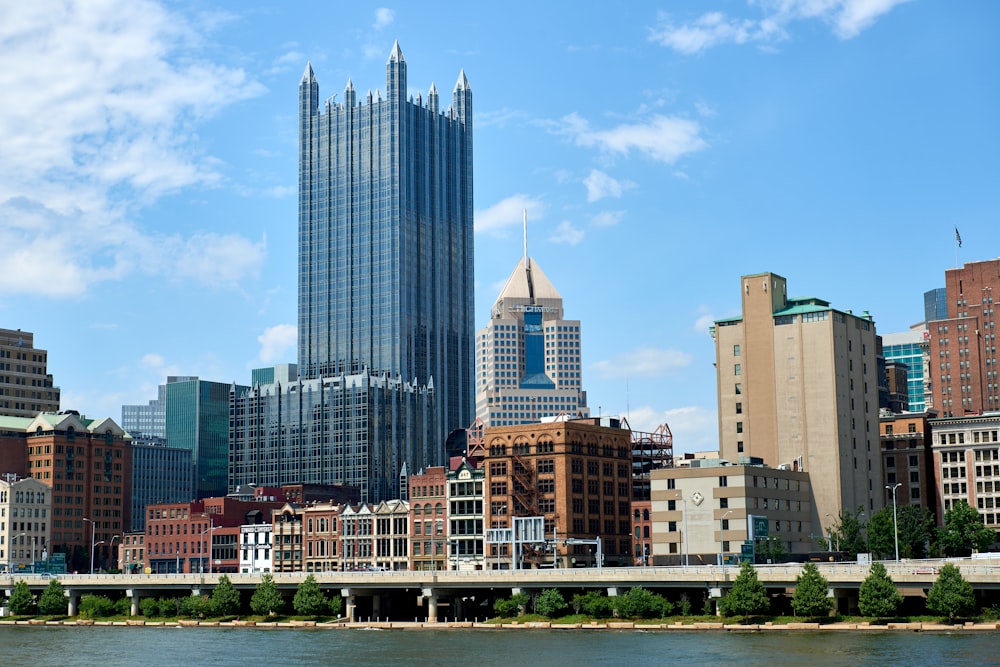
point(386, 238)
point(528, 356)
point(385, 296)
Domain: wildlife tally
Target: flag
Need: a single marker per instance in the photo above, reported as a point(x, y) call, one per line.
point(958, 237)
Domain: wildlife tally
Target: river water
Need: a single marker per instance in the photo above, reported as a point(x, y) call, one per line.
point(190, 647)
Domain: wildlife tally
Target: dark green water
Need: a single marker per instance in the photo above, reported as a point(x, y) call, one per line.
point(247, 647)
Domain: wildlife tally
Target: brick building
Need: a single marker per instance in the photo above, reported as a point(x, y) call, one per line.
point(429, 519)
point(907, 459)
point(576, 474)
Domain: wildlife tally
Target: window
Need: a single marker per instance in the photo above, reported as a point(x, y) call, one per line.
point(736, 350)
point(739, 408)
point(723, 480)
point(737, 369)
point(739, 427)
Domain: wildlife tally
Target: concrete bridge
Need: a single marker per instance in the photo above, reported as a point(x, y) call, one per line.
point(408, 594)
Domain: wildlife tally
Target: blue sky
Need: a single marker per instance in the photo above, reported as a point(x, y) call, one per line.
point(148, 171)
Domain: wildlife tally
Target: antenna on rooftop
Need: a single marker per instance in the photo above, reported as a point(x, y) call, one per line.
point(526, 260)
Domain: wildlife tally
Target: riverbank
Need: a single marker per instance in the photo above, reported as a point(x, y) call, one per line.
point(538, 625)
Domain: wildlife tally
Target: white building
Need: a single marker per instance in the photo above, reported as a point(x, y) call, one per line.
point(255, 548)
point(25, 522)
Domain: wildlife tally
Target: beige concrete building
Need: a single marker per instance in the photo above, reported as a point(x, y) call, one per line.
point(701, 512)
point(26, 387)
point(967, 464)
point(25, 522)
point(798, 389)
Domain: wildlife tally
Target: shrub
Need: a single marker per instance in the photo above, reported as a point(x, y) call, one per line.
point(169, 607)
point(336, 606)
point(878, 596)
point(196, 606)
point(639, 603)
point(592, 603)
point(549, 603)
point(53, 601)
point(96, 606)
point(149, 607)
point(123, 607)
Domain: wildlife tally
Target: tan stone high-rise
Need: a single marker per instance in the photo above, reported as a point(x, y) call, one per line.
point(797, 387)
point(25, 383)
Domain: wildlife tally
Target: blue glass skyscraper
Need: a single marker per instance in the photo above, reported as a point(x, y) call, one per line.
point(386, 238)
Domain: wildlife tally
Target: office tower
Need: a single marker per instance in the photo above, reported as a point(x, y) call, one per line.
point(528, 356)
point(25, 384)
point(148, 423)
point(935, 304)
point(160, 474)
point(963, 353)
point(386, 238)
point(197, 419)
point(797, 387)
point(913, 349)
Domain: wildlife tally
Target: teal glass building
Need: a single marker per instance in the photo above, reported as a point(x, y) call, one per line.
point(386, 238)
point(197, 419)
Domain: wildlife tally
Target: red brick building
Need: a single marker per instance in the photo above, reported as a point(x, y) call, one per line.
point(180, 536)
point(576, 474)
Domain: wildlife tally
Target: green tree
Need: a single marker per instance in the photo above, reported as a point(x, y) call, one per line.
point(513, 606)
point(266, 599)
point(336, 605)
point(963, 531)
point(550, 602)
point(149, 607)
point(878, 596)
point(951, 595)
point(309, 599)
point(225, 598)
point(22, 602)
point(810, 597)
point(53, 601)
point(849, 533)
point(881, 534)
point(770, 550)
point(747, 597)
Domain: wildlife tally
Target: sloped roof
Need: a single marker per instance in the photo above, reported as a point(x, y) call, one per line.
point(525, 284)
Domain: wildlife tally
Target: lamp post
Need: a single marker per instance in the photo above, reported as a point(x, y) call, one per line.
point(895, 526)
point(111, 551)
point(211, 527)
point(93, 541)
point(829, 532)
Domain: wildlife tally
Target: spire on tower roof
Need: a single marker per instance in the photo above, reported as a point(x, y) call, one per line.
point(463, 82)
point(308, 75)
point(397, 53)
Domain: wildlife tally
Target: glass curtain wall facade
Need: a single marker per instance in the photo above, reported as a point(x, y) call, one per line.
point(910, 348)
point(358, 430)
point(197, 419)
point(386, 239)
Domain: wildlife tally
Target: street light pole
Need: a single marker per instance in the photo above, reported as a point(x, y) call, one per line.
point(111, 551)
point(895, 526)
point(93, 541)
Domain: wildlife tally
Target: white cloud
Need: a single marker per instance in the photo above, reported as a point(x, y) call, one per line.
point(508, 213)
point(647, 361)
point(608, 218)
point(694, 428)
point(277, 343)
point(704, 320)
point(383, 18)
point(217, 259)
point(600, 185)
point(109, 128)
point(847, 19)
point(663, 138)
point(567, 234)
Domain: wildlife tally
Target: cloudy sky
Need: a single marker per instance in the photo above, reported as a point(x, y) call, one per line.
point(148, 171)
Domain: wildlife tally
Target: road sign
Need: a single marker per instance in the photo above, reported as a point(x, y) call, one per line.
point(758, 526)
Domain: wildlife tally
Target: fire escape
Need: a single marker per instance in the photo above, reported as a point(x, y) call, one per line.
point(650, 451)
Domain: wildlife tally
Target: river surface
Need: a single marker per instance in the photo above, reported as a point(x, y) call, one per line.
point(191, 647)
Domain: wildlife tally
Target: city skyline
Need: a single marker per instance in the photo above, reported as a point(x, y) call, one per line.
point(152, 204)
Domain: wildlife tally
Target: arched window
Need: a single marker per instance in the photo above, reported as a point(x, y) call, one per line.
point(645, 515)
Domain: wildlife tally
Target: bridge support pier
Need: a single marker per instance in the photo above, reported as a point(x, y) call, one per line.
point(432, 604)
point(376, 606)
point(350, 603)
point(74, 599)
point(133, 595)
